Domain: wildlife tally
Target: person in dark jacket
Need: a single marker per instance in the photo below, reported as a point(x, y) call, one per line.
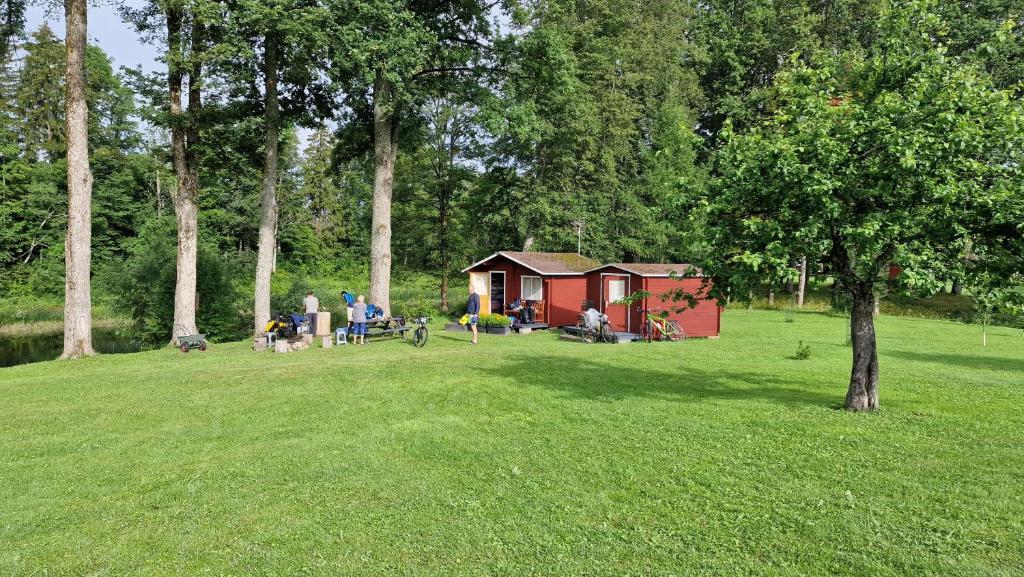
point(473, 310)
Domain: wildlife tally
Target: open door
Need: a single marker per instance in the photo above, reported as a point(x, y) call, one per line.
point(481, 282)
point(497, 299)
point(613, 290)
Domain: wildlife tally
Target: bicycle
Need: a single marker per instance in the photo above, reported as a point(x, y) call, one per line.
point(420, 333)
point(660, 327)
point(604, 332)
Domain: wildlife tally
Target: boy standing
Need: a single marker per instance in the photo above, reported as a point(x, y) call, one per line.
point(350, 301)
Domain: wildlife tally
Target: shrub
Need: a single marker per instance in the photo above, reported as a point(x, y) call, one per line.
point(495, 320)
point(146, 286)
point(803, 352)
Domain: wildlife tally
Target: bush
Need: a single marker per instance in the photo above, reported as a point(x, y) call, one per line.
point(803, 352)
point(146, 286)
point(495, 320)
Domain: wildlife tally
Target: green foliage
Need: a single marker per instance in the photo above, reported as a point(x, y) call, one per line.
point(898, 155)
point(494, 320)
point(803, 352)
point(147, 286)
point(596, 126)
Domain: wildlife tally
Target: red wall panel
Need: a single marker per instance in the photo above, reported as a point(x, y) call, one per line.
point(564, 299)
point(700, 321)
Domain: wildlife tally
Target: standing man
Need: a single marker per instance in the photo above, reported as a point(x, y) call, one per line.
point(311, 304)
point(473, 310)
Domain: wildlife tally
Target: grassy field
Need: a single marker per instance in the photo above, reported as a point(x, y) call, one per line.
point(523, 456)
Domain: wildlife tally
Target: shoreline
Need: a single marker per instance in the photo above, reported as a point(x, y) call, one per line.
point(38, 328)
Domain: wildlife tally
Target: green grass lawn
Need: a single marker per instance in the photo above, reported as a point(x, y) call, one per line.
point(524, 455)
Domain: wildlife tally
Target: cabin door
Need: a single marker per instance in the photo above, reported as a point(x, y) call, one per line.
point(498, 292)
point(613, 290)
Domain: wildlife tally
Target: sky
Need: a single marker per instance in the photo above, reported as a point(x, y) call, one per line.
point(117, 39)
point(106, 30)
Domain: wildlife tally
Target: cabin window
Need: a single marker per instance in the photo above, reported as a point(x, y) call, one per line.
point(532, 288)
point(616, 290)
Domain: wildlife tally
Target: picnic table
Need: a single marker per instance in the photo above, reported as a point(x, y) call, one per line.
point(387, 326)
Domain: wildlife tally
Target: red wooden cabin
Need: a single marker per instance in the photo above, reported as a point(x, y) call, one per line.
point(562, 283)
point(609, 283)
point(555, 279)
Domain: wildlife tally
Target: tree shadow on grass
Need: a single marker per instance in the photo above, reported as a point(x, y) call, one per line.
point(606, 381)
point(983, 362)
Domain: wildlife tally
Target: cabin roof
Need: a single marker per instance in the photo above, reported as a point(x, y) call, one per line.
point(649, 269)
point(545, 263)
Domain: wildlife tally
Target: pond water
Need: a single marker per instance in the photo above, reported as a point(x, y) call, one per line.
point(18, 350)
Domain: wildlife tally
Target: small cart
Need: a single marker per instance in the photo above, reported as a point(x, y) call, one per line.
point(187, 342)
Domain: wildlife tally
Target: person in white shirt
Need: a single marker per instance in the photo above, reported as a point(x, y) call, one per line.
point(311, 304)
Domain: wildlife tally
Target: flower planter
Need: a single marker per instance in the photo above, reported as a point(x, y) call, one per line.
point(503, 331)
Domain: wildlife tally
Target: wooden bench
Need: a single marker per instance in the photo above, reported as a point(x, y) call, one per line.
point(538, 312)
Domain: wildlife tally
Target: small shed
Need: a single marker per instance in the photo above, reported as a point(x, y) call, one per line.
point(608, 284)
point(555, 281)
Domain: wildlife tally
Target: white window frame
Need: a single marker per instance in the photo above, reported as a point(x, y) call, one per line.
point(522, 287)
point(616, 282)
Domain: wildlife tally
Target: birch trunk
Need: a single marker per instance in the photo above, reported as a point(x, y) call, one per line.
point(268, 219)
point(184, 139)
point(78, 243)
point(385, 149)
point(443, 245)
point(802, 287)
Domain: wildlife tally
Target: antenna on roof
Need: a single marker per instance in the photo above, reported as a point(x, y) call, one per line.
point(578, 223)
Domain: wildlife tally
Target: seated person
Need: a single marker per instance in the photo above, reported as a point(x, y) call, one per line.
point(516, 307)
point(529, 314)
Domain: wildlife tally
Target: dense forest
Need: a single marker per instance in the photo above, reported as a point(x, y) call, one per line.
point(297, 140)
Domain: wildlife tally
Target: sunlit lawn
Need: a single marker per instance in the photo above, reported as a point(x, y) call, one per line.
point(524, 455)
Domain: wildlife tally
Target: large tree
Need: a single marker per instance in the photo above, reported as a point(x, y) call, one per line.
point(900, 154)
point(390, 53)
point(284, 42)
point(78, 243)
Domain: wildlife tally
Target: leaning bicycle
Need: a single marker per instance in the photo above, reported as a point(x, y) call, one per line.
point(658, 327)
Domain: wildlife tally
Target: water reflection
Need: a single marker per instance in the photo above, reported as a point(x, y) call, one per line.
point(18, 350)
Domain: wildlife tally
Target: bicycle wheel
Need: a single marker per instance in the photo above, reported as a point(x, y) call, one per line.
point(609, 336)
point(675, 332)
point(588, 335)
point(419, 337)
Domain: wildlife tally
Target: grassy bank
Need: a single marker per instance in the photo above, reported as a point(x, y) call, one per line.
point(523, 456)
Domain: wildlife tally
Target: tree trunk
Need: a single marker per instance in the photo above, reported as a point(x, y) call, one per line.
point(385, 149)
point(836, 291)
point(443, 245)
point(78, 243)
point(268, 219)
point(184, 139)
point(863, 392)
point(957, 287)
point(802, 286)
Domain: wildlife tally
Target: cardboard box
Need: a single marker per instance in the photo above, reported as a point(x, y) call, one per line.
point(322, 324)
